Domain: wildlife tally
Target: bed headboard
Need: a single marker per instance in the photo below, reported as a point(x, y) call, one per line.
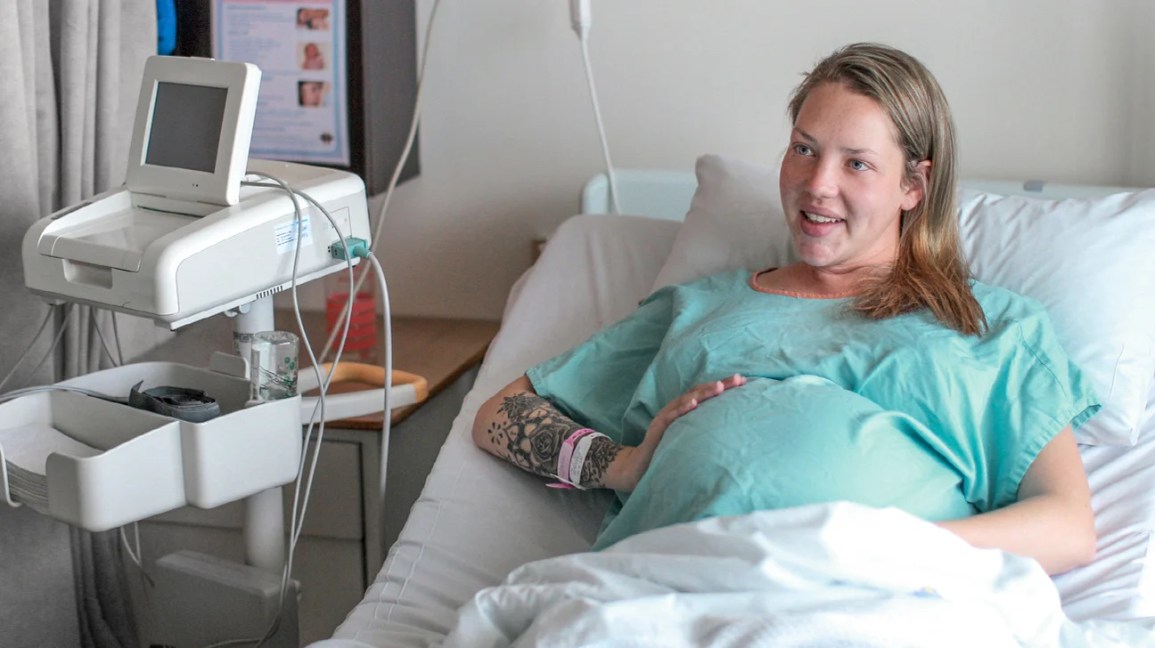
point(658, 193)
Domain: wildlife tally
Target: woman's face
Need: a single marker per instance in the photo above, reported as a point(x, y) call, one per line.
point(842, 182)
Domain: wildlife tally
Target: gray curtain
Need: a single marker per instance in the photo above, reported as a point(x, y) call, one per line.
point(99, 47)
point(73, 72)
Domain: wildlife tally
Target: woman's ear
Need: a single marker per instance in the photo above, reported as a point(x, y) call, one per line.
point(915, 188)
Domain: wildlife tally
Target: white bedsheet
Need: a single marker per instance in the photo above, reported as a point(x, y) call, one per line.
point(834, 574)
point(1120, 584)
point(478, 519)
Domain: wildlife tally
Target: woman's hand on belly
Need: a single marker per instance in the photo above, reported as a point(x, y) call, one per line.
point(632, 461)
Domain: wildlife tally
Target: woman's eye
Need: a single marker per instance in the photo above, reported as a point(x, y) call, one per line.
point(802, 149)
point(858, 165)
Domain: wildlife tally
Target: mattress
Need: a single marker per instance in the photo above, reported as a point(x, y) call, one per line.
point(478, 518)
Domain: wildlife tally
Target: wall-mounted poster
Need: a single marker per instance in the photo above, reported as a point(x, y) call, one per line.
point(300, 46)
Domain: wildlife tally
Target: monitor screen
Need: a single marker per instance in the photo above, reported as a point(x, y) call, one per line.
point(190, 138)
point(186, 126)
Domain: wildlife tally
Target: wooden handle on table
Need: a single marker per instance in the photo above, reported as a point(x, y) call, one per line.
point(375, 375)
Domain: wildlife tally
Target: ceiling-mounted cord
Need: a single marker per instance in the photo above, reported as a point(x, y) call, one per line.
point(580, 19)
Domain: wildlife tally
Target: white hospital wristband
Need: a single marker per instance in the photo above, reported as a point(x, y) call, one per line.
point(577, 462)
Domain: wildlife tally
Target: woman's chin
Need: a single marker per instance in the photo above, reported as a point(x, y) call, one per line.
point(812, 251)
point(815, 257)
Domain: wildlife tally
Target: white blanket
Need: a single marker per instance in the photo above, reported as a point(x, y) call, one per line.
point(827, 575)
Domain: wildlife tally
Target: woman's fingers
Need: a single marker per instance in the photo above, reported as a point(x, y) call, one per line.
point(676, 408)
point(713, 388)
point(736, 380)
point(690, 400)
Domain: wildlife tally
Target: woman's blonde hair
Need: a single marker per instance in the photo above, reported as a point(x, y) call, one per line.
point(930, 271)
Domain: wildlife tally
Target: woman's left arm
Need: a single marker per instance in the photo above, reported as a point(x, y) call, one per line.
point(1051, 521)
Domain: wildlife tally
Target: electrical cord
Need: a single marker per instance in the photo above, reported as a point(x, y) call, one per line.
point(581, 20)
point(51, 349)
point(355, 287)
point(300, 495)
point(304, 486)
point(38, 389)
point(135, 556)
point(31, 345)
point(94, 323)
point(356, 284)
point(116, 337)
point(298, 525)
point(387, 363)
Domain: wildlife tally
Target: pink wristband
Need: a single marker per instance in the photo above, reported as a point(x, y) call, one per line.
point(565, 457)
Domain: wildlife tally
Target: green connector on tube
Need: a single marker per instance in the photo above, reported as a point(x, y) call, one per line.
point(350, 247)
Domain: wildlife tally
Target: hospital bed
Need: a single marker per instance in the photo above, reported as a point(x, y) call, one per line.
point(478, 518)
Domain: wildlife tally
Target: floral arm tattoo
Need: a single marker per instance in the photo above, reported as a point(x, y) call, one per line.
point(530, 431)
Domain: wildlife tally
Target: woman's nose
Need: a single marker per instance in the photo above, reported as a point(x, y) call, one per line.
point(821, 180)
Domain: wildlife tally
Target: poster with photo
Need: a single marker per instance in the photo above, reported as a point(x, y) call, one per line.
point(299, 45)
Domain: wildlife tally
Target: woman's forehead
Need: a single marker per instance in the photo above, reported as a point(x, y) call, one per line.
point(835, 115)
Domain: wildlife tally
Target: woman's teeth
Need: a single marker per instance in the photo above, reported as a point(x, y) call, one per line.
point(815, 218)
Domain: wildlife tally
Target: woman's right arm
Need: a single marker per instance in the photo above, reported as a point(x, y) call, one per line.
point(521, 427)
point(527, 430)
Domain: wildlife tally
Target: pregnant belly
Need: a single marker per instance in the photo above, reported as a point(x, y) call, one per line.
point(774, 444)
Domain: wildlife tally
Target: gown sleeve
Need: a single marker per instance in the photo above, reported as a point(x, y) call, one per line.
point(1007, 399)
point(594, 382)
point(1039, 392)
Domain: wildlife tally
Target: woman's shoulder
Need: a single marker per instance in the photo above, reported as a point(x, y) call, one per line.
point(999, 295)
point(1004, 306)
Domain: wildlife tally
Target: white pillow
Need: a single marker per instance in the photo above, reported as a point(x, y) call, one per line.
point(1090, 262)
point(735, 220)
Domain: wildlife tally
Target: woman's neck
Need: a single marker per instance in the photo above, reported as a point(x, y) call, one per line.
point(802, 279)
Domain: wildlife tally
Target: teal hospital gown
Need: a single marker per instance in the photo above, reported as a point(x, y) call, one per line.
point(898, 412)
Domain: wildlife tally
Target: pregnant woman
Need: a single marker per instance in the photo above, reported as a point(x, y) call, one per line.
point(873, 370)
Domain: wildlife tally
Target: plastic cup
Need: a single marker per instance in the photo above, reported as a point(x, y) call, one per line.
point(273, 365)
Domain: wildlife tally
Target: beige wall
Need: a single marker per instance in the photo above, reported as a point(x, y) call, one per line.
point(1053, 89)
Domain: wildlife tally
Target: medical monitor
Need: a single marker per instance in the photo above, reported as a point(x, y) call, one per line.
point(190, 139)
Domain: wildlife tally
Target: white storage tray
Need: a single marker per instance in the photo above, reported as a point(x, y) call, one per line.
point(138, 474)
point(152, 463)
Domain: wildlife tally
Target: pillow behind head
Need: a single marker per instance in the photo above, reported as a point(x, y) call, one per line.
point(1089, 261)
point(735, 221)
